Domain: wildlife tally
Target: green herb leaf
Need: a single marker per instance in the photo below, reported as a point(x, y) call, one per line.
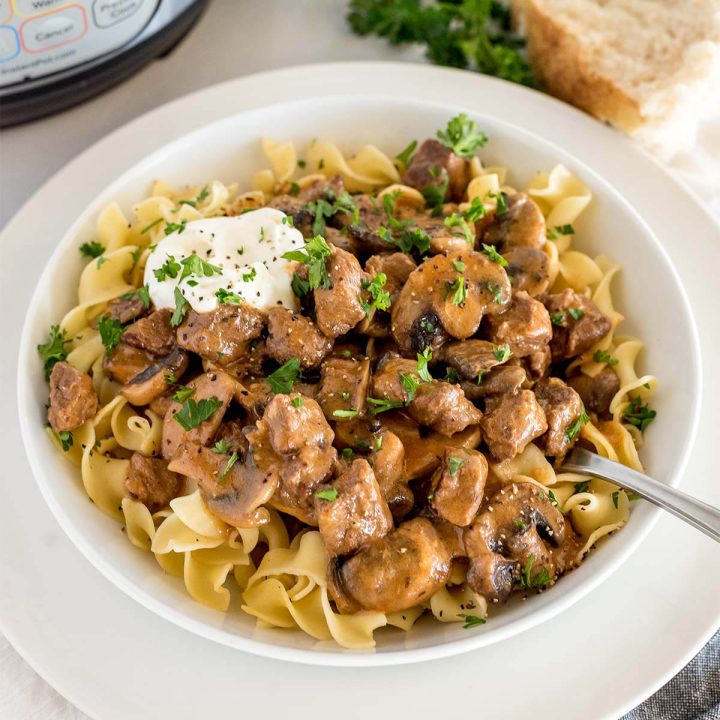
point(380, 299)
point(377, 443)
point(110, 332)
point(222, 447)
point(459, 221)
point(66, 439)
point(458, 290)
point(345, 413)
point(494, 255)
point(471, 620)
point(406, 154)
point(540, 580)
point(231, 461)
point(502, 353)
point(574, 430)
point(195, 265)
point(313, 255)
point(193, 413)
point(169, 269)
point(53, 350)
point(180, 307)
point(92, 249)
point(576, 313)
point(182, 393)
point(347, 453)
point(638, 414)
point(451, 375)
point(383, 405)
point(225, 296)
point(462, 136)
point(282, 380)
point(475, 212)
point(435, 194)
point(558, 230)
point(454, 464)
point(554, 500)
point(558, 318)
point(151, 225)
point(329, 494)
point(298, 402)
point(423, 359)
point(410, 384)
point(602, 356)
point(179, 228)
point(615, 498)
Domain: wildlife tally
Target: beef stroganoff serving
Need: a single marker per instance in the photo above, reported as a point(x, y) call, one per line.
point(345, 395)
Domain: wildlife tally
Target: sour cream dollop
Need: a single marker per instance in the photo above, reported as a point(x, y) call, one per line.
point(247, 248)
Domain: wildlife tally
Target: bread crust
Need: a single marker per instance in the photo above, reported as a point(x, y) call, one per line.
point(560, 64)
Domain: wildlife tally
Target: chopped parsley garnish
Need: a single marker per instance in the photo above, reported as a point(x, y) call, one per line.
point(423, 359)
point(182, 393)
point(615, 498)
point(454, 464)
point(323, 209)
point(471, 620)
point(410, 384)
point(462, 136)
point(143, 294)
point(494, 255)
point(195, 265)
point(502, 353)
point(558, 230)
point(558, 318)
point(582, 487)
point(410, 239)
point(475, 211)
point(66, 439)
point(110, 331)
point(638, 414)
point(345, 413)
point(435, 194)
point(451, 375)
point(297, 402)
point(468, 34)
point(520, 525)
point(202, 195)
point(179, 228)
point(313, 255)
point(602, 356)
point(574, 430)
point(222, 447)
point(151, 225)
point(249, 277)
point(53, 350)
point(501, 203)
point(281, 381)
point(459, 221)
point(406, 154)
point(383, 405)
point(576, 313)
point(169, 269)
point(231, 461)
point(294, 189)
point(329, 494)
point(540, 580)
point(288, 220)
point(225, 296)
point(180, 306)
point(380, 298)
point(458, 290)
point(92, 249)
point(554, 500)
point(377, 443)
point(496, 292)
point(193, 413)
point(100, 261)
point(481, 375)
point(459, 265)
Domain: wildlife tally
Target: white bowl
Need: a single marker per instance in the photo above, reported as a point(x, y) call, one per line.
point(648, 292)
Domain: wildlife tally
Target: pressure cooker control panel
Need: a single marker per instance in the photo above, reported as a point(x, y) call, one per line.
point(40, 37)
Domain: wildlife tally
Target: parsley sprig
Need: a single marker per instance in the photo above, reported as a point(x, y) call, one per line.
point(193, 413)
point(313, 255)
point(53, 351)
point(380, 299)
point(92, 249)
point(540, 580)
point(282, 380)
point(111, 331)
point(638, 414)
point(462, 136)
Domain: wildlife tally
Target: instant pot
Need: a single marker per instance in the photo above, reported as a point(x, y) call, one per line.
point(57, 53)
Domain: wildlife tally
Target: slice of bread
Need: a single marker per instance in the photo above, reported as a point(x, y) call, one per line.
point(650, 67)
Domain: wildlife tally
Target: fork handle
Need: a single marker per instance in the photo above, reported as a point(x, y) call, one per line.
point(699, 514)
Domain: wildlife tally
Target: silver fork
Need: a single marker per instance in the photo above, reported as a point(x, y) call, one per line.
point(699, 514)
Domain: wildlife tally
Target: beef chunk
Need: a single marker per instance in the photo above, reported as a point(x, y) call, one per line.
point(231, 431)
point(511, 422)
point(125, 309)
point(296, 206)
point(433, 166)
point(124, 362)
point(524, 325)
point(443, 239)
point(364, 228)
point(291, 428)
point(396, 267)
point(458, 485)
point(337, 308)
point(523, 225)
point(577, 324)
point(212, 384)
point(500, 380)
point(149, 481)
point(356, 514)
point(471, 358)
point(152, 333)
point(528, 269)
point(388, 461)
point(72, 397)
point(444, 408)
point(387, 381)
point(223, 335)
point(562, 407)
point(596, 392)
point(294, 336)
point(343, 386)
point(396, 572)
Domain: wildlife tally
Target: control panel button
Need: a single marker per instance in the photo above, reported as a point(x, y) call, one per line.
point(109, 12)
point(9, 43)
point(53, 29)
point(29, 8)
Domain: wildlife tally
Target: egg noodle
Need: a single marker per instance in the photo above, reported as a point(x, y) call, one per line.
point(288, 586)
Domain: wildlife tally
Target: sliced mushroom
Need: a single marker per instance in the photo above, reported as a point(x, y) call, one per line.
point(501, 380)
point(434, 292)
point(521, 530)
point(396, 572)
point(153, 382)
point(528, 269)
point(444, 237)
point(388, 462)
point(523, 225)
point(234, 492)
point(124, 362)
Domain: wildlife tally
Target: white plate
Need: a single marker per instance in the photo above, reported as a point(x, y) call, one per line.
point(602, 638)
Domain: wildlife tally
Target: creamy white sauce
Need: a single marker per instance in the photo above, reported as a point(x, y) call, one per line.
point(254, 241)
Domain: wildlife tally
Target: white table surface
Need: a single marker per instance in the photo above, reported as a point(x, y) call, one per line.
point(234, 37)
